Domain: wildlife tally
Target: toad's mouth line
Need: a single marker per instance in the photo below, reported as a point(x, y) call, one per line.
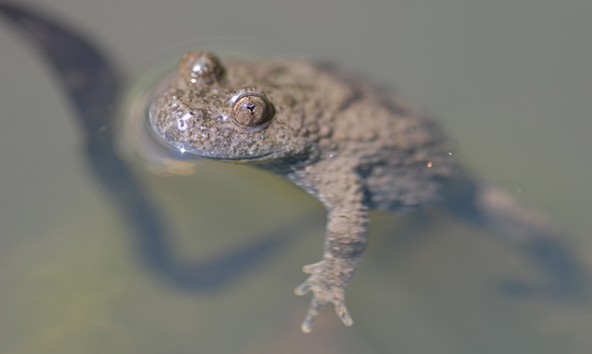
point(255, 159)
point(184, 151)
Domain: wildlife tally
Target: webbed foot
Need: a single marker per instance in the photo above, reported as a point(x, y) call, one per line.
point(327, 287)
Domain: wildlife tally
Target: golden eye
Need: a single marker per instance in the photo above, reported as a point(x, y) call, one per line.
point(252, 111)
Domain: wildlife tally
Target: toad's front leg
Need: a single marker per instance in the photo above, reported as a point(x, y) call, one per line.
point(345, 241)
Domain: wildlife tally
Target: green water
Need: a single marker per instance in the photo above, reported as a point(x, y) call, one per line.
point(509, 80)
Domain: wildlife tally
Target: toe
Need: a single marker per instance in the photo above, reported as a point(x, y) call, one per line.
point(311, 316)
point(312, 268)
point(302, 289)
point(343, 314)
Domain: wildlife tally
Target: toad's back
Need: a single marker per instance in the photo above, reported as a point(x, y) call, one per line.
point(400, 157)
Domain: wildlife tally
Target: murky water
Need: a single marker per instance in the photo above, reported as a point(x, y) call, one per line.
point(509, 80)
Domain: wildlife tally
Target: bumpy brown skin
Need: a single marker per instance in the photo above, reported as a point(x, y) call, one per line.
point(346, 143)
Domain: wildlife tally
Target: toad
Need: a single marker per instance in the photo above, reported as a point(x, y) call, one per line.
point(349, 144)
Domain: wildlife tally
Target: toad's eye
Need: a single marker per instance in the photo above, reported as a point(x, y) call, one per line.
point(252, 111)
point(201, 68)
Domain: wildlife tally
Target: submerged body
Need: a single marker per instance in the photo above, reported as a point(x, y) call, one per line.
point(350, 145)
